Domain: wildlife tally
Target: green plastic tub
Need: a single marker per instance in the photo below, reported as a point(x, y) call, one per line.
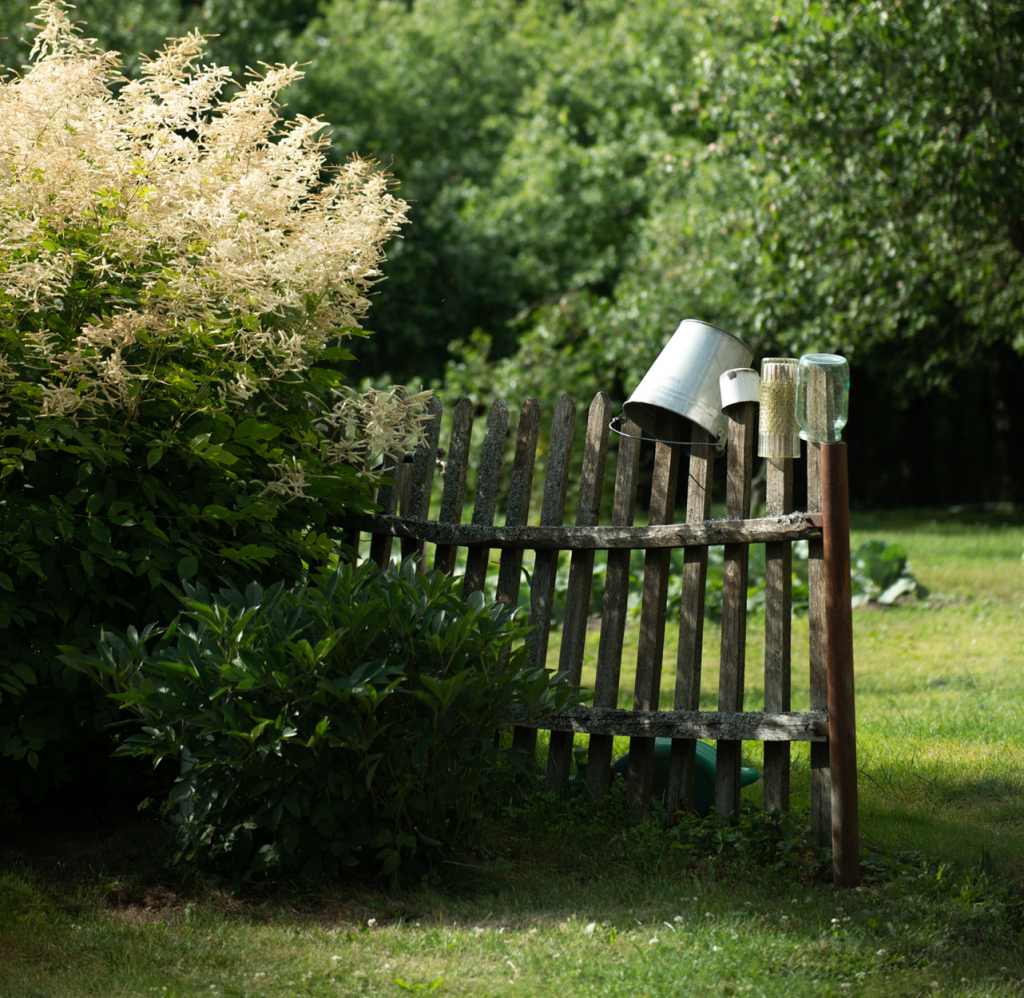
point(704, 778)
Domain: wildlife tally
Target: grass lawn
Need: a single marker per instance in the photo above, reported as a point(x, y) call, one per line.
point(560, 906)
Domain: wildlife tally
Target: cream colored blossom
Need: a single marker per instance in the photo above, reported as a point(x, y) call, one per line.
point(290, 481)
point(362, 427)
point(60, 400)
point(210, 219)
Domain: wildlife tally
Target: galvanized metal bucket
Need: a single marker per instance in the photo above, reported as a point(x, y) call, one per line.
point(684, 378)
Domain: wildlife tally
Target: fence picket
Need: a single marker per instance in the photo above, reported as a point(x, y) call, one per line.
point(667, 459)
point(455, 480)
point(542, 589)
point(742, 431)
point(491, 453)
point(777, 626)
point(581, 577)
point(683, 761)
point(387, 498)
point(517, 509)
point(423, 464)
point(613, 611)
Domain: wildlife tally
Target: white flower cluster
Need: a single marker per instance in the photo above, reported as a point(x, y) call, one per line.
point(361, 426)
point(212, 220)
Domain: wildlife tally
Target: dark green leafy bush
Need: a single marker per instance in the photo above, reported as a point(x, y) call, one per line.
point(345, 723)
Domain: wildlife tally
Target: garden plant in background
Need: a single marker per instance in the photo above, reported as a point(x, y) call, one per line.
point(348, 723)
point(175, 273)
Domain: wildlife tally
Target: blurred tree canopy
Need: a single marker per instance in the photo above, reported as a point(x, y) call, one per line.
point(847, 177)
point(585, 173)
point(524, 132)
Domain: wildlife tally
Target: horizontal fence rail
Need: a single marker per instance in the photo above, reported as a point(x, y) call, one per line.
point(794, 527)
point(745, 725)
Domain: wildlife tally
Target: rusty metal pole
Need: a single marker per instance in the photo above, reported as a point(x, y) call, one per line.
point(835, 502)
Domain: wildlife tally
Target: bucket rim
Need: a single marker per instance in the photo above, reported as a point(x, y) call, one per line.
point(719, 329)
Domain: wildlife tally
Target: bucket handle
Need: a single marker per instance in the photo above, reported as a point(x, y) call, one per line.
point(717, 444)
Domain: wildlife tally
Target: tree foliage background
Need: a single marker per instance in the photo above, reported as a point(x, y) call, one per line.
point(585, 174)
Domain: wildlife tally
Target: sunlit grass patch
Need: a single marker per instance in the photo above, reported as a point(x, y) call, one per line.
point(657, 936)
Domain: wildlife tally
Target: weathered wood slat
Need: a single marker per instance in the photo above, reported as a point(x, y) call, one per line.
point(749, 725)
point(613, 611)
point(682, 765)
point(742, 432)
point(485, 504)
point(423, 464)
point(777, 632)
point(351, 535)
point(517, 509)
point(793, 527)
point(387, 497)
point(405, 483)
point(651, 640)
point(581, 577)
point(821, 775)
point(454, 492)
point(556, 480)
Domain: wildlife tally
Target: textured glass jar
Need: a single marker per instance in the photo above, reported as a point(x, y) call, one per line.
point(778, 432)
point(822, 396)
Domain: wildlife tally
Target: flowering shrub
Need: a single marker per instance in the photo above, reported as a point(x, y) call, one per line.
point(175, 274)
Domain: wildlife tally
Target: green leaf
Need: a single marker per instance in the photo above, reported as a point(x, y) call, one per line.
point(253, 429)
point(250, 554)
point(188, 566)
point(5, 582)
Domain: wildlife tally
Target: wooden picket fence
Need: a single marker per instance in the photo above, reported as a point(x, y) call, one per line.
point(777, 726)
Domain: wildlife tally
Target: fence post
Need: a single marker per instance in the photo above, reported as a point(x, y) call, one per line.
point(835, 494)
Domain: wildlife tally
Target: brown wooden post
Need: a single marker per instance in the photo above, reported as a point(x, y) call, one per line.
point(581, 577)
point(613, 610)
point(742, 433)
point(841, 708)
point(777, 636)
point(689, 658)
point(651, 645)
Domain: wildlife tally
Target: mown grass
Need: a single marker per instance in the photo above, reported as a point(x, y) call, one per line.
point(558, 904)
